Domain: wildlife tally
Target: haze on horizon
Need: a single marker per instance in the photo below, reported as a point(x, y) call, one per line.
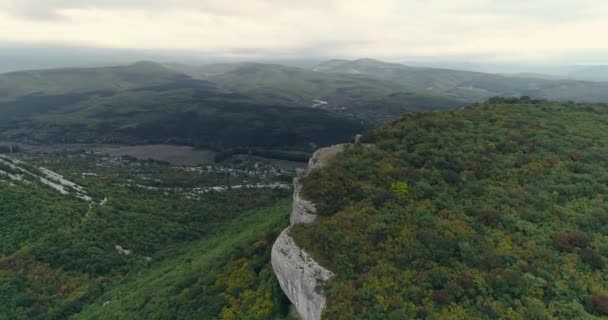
point(482, 31)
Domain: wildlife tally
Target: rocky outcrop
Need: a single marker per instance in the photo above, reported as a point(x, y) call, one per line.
point(303, 211)
point(299, 275)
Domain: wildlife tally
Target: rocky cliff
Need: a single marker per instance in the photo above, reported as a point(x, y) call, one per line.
point(298, 273)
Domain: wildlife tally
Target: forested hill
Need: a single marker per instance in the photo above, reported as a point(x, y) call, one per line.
point(72, 80)
point(497, 211)
point(186, 112)
point(470, 86)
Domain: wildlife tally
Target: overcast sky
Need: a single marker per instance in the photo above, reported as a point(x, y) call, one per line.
point(494, 30)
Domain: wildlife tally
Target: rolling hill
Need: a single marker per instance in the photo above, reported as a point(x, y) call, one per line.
point(372, 100)
point(246, 105)
point(380, 91)
point(465, 85)
point(187, 112)
point(75, 80)
point(590, 73)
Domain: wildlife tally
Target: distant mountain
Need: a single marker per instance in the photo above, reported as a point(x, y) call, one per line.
point(590, 73)
point(363, 66)
point(295, 85)
point(248, 105)
point(534, 75)
point(466, 85)
point(593, 73)
point(362, 96)
point(185, 112)
point(60, 81)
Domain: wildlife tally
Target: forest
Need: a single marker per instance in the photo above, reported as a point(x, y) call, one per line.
point(185, 112)
point(496, 211)
point(303, 160)
point(155, 241)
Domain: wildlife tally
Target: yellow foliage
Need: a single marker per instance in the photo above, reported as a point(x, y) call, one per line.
point(241, 276)
point(400, 188)
point(513, 315)
point(455, 312)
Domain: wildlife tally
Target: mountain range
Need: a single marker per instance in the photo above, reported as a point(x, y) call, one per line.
point(477, 207)
point(241, 105)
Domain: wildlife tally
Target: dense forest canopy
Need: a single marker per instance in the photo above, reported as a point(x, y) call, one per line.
point(155, 241)
point(497, 211)
point(268, 107)
point(185, 112)
point(490, 211)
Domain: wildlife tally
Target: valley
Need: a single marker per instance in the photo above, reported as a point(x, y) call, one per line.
point(80, 229)
point(303, 160)
point(156, 191)
point(123, 105)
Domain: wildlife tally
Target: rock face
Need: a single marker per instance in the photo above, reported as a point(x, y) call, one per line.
point(298, 273)
point(302, 210)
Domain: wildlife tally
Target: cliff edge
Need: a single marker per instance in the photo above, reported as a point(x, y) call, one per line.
point(298, 273)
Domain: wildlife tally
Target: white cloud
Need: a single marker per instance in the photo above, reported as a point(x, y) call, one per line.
point(517, 29)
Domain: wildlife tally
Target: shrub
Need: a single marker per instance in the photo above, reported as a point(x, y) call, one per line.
point(569, 240)
point(489, 217)
point(401, 189)
point(598, 303)
point(592, 258)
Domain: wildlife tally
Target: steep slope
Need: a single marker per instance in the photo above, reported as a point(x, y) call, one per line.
point(191, 281)
point(160, 245)
point(495, 211)
point(299, 275)
point(60, 81)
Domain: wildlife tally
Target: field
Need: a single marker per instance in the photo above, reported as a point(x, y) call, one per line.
point(175, 155)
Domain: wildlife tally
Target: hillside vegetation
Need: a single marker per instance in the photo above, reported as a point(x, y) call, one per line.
point(497, 211)
point(154, 242)
point(70, 80)
point(379, 91)
point(271, 109)
point(369, 98)
point(466, 85)
point(188, 112)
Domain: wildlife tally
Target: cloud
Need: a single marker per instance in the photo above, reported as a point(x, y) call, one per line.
point(35, 8)
point(517, 29)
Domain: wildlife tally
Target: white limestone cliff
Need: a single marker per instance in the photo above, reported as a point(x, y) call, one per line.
point(299, 275)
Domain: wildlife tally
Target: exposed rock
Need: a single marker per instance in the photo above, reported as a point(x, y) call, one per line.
point(122, 250)
point(358, 138)
point(321, 156)
point(298, 273)
point(44, 176)
point(303, 211)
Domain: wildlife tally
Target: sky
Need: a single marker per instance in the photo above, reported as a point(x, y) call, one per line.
point(561, 31)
